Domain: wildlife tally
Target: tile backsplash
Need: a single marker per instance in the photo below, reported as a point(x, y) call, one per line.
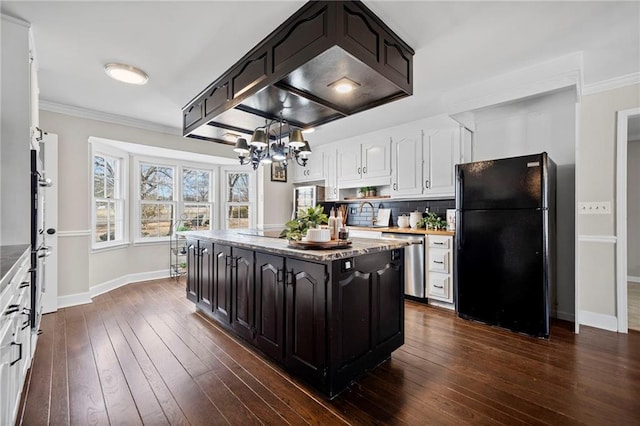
point(398, 208)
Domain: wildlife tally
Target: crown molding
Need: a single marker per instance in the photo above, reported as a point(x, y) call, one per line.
point(107, 117)
point(612, 83)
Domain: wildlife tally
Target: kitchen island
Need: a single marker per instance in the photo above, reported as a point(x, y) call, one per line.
point(326, 316)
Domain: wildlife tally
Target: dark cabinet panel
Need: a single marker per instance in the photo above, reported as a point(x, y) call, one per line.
point(205, 296)
point(389, 304)
point(221, 282)
point(242, 293)
point(355, 315)
point(270, 304)
point(305, 319)
point(193, 277)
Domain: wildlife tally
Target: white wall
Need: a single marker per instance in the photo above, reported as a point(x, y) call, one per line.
point(15, 176)
point(275, 199)
point(544, 123)
point(596, 182)
point(633, 209)
point(79, 268)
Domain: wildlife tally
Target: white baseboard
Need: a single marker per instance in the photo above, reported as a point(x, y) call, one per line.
point(593, 319)
point(74, 300)
point(633, 279)
point(96, 290)
point(99, 289)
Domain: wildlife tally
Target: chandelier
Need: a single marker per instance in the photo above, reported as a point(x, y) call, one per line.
point(268, 145)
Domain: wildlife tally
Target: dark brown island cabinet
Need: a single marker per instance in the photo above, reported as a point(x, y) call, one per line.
point(325, 316)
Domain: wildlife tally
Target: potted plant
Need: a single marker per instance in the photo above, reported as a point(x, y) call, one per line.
point(362, 192)
point(307, 218)
point(433, 221)
point(371, 191)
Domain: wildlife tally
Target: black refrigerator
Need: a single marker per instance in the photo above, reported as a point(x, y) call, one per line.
point(504, 271)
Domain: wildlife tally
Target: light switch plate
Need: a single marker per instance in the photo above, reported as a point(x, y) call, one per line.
point(595, 207)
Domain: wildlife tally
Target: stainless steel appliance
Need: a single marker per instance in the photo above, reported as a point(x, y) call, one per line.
point(505, 242)
point(306, 196)
point(414, 281)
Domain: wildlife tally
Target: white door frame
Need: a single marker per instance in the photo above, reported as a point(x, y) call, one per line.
point(621, 216)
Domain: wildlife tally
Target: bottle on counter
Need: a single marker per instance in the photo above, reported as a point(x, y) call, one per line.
point(333, 224)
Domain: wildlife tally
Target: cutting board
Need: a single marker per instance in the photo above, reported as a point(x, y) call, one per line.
point(383, 217)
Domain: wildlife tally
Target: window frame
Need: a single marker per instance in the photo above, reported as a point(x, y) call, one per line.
point(211, 203)
point(121, 157)
point(224, 204)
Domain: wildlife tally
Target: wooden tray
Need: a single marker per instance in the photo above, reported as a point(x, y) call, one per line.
point(315, 245)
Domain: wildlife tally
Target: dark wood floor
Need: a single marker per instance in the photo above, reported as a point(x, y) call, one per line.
point(140, 354)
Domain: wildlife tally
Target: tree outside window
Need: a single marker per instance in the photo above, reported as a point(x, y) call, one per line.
point(156, 200)
point(197, 208)
point(238, 200)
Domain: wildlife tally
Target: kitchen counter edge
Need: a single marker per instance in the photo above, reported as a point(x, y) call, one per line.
point(280, 246)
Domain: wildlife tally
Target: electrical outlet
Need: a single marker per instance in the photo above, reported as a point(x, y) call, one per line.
point(353, 210)
point(595, 207)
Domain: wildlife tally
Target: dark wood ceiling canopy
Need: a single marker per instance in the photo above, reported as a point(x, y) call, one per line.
point(291, 70)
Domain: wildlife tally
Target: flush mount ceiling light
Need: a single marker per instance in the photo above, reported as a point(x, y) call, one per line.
point(344, 85)
point(126, 73)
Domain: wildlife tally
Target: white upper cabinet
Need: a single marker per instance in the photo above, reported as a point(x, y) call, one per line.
point(406, 155)
point(441, 154)
point(330, 174)
point(364, 163)
point(312, 172)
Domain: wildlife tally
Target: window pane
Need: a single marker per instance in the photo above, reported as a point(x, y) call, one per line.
point(197, 217)
point(110, 187)
point(196, 185)
point(156, 220)
point(238, 217)
point(156, 183)
point(238, 187)
point(110, 169)
point(98, 176)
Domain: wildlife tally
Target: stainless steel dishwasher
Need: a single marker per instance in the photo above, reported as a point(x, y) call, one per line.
point(414, 284)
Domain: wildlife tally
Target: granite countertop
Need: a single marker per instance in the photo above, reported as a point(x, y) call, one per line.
point(395, 229)
point(9, 259)
point(280, 246)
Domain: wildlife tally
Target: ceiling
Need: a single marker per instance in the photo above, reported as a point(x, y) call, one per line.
point(184, 46)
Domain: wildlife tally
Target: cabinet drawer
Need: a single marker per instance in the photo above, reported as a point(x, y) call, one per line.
point(439, 285)
point(439, 261)
point(439, 241)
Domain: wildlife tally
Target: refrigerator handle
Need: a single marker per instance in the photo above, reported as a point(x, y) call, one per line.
point(459, 204)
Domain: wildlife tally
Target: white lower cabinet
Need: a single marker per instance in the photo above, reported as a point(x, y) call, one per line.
point(15, 340)
point(439, 270)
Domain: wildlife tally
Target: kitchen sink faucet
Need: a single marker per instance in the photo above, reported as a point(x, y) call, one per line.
point(373, 215)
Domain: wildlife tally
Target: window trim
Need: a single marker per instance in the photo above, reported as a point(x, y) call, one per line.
point(100, 149)
point(212, 185)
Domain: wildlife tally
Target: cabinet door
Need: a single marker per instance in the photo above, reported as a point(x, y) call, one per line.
point(376, 158)
point(443, 153)
point(205, 288)
point(349, 167)
point(389, 303)
point(192, 270)
point(407, 164)
point(305, 320)
point(242, 293)
point(313, 171)
point(269, 302)
point(330, 176)
point(221, 282)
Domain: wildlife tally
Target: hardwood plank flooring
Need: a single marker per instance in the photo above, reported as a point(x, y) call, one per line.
point(141, 354)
